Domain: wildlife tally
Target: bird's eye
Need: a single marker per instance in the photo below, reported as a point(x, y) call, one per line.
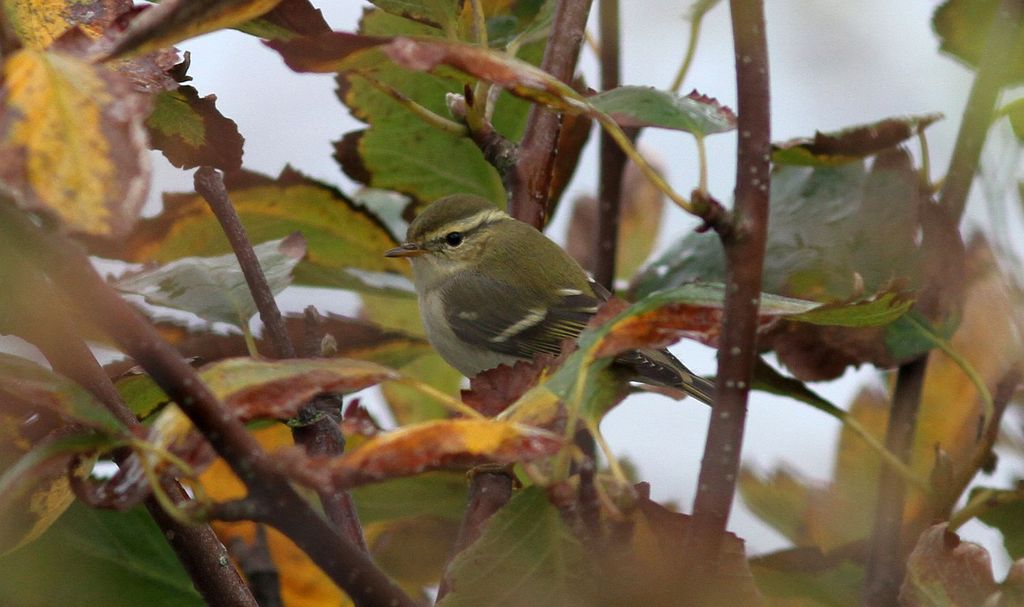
point(453, 239)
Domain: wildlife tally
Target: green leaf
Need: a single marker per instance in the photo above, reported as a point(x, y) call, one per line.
point(1014, 111)
point(214, 288)
point(640, 106)
point(525, 556)
point(819, 583)
point(436, 13)
point(828, 225)
point(434, 494)
point(401, 152)
point(339, 234)
point(873, 311)
point(780, 499)
point(97, 557)
point(191, 132)
point(963, 27)
point(1006, 515)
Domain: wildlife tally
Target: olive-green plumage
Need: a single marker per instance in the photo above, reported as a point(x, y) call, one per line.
point(493, 290)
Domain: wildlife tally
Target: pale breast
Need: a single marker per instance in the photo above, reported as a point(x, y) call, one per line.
point(468, 359)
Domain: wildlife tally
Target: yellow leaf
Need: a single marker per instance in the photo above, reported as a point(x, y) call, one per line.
point(72, 141)
point(38, 22)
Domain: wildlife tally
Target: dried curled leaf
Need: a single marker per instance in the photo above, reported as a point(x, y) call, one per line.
point(434, 445)
point(72, 142)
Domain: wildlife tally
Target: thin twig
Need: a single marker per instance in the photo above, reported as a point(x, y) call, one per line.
point(71, 270)
point(744, 244)
point(210, 185)
point(993, 70)
point(317, 431)
point(613, 159)
point(885, 560)
point(490, 488)
point(529, 182)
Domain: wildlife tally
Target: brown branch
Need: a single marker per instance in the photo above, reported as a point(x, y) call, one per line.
point(612, 158)
point(489, 490)
point(885, 557)
point(258, 566)
point(71, 270)
point(744, 247)
point(210, 185)
point(317, 431)
point(529, 182)
point(48, 328)
point(993, 70)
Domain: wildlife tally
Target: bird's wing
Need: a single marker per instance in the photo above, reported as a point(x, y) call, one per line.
point(511, 327)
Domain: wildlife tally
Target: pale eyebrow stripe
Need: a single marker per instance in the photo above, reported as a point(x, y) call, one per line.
point(469, 224)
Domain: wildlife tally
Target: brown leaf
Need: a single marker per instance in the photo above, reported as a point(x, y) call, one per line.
point(458, 443)
point(297, 18)
point(943, 570)
point(648, 570)
point(172, 21)
point(254, 389)
point(852, 143)
point(493, 390)
point(191, 132)
point(324, 53)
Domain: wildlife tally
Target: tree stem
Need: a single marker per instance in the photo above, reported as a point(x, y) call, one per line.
point(529, 181)
point(885, 561)
point(613, 159)
point(744, 241)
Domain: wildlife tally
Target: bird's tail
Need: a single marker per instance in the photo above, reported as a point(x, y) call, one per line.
point(660, 368)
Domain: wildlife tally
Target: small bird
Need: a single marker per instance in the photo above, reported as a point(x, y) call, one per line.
point(493, 290)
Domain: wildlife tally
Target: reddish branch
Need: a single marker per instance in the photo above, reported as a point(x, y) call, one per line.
point(197, 547)
point(885, 568)
point(318, 431)
point(489, 491)
point(210, 185)
point(529, 182)
point(613, 159)
point(71, 270)
point(744, 247)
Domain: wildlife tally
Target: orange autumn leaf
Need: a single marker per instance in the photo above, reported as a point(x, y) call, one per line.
point(441, 444)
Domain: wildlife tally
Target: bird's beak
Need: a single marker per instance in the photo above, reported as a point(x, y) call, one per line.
point(408, 249)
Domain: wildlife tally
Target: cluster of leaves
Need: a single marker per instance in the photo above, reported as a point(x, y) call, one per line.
point(862, 268)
